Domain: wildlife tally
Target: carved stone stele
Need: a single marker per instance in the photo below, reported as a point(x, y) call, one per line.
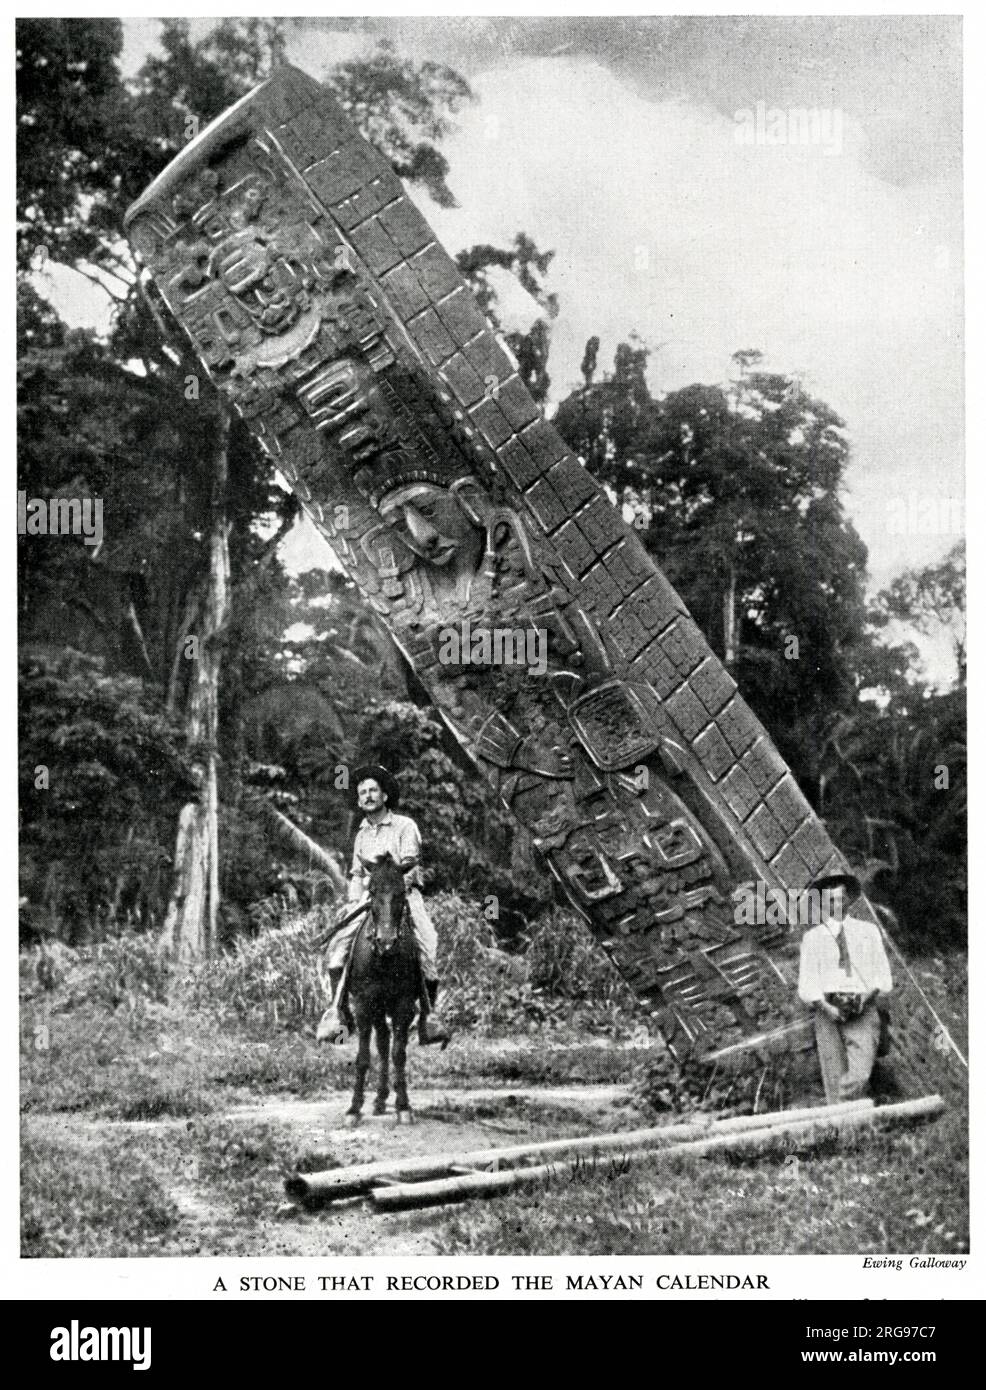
point(560, 657)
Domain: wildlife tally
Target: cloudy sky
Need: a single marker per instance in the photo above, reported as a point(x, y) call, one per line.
point(615, 143)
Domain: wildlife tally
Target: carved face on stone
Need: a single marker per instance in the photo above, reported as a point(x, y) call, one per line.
point(433, 525)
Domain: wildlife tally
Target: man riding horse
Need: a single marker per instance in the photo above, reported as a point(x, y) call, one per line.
point(383, 832)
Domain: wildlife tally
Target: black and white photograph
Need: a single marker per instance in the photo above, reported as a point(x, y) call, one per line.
point(491, 651)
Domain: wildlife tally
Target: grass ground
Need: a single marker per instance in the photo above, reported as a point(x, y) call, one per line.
point(152, 1128)
point(894, 1192)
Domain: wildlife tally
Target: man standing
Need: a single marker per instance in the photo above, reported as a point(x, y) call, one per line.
point(844, 976)
point(384, 832)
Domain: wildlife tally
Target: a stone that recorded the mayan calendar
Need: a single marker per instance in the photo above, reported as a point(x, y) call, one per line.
point(321, 304)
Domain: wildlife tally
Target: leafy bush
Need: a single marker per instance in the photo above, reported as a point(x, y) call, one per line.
point(891, 815)
point(274, 978)
point(484, 986)
point(559, 973)
point(97, 836)
point(130, 969)
point(278, 978)
point(564, 961)
point(44, 967)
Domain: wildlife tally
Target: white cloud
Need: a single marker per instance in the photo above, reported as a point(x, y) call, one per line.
point(663, 224)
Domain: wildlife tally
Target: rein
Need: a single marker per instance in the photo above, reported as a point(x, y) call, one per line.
point(365, 907)
point(327, 936)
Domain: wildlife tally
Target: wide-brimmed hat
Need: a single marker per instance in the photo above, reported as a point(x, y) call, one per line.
point(388, 783)
point(847, 881)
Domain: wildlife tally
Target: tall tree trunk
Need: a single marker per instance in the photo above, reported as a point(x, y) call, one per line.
point(191, 919)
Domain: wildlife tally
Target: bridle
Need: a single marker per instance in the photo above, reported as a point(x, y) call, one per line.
point(368, 927)
point(369, 931)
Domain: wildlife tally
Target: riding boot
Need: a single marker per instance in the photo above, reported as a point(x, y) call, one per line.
point(331, 1027)
point(430, 1028)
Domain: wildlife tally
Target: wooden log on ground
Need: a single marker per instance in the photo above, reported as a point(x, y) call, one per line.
point(335, 1184)
point(834, 1119)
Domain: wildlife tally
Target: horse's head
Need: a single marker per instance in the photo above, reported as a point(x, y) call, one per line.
point(387, 901)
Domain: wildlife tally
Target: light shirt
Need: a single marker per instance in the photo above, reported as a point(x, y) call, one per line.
point(392, 834)
point(820, 972)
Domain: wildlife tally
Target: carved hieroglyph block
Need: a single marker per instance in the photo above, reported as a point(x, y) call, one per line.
point(320, 302)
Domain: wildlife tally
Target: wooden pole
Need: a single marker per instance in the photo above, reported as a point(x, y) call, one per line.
point(457, 1189)
point(337, 1183)
point(800, 1030)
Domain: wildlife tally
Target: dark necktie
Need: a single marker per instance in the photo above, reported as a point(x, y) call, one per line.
point(845, 964)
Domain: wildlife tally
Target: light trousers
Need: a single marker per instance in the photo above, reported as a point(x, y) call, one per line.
point(846, 1053)
point(425, 937)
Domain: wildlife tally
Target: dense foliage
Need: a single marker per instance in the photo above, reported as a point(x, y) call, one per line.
point(736, 489)
point(116, 420)
point(101, 772)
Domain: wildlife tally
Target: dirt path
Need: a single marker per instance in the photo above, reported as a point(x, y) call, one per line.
point(446, 1120)
point(586, 1098)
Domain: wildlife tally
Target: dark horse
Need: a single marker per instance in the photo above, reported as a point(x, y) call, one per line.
point(383, 988)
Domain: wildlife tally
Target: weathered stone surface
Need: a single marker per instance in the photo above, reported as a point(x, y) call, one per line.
point(316, 295)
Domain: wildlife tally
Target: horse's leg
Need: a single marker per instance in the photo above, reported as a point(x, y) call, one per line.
point(383, 1054)
point(363, 1023)
point(402, 1026)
